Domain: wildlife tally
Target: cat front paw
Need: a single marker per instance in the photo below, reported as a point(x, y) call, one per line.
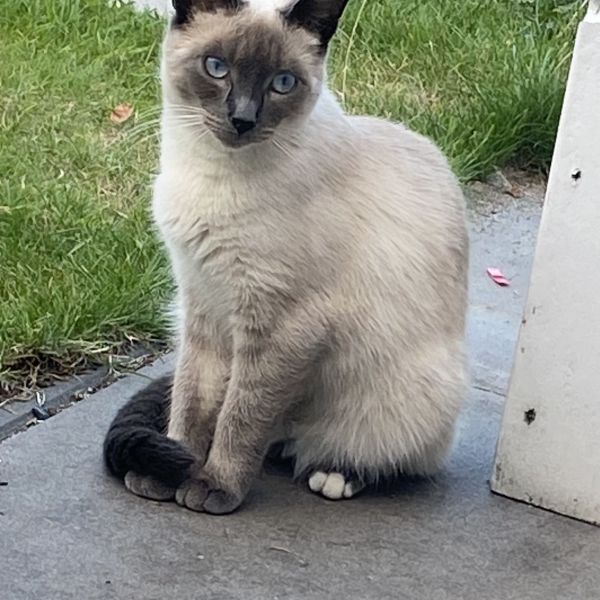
point(203, 494)
point(148, 487)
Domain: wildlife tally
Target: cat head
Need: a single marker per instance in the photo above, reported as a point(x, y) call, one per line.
point(247, 67)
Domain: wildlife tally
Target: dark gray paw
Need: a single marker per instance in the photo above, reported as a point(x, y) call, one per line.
point(220, 502)
point(201, 495)
point(147, 487)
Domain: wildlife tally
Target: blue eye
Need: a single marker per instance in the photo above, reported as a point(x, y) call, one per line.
point(216, 67)
point(284, 83)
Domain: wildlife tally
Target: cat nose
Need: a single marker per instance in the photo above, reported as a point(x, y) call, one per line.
point(242, 125)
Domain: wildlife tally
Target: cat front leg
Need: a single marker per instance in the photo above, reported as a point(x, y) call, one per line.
point(198, 392)
point(269, 371)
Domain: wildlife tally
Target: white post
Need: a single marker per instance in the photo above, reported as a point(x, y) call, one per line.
point(549, 448)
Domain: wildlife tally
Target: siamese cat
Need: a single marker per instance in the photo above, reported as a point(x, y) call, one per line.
point(321, 264)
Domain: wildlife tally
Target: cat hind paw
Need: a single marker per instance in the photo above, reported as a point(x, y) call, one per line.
point(334, 486)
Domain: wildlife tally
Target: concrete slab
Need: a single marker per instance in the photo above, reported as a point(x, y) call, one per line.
point(504, 238)
point(67, 531)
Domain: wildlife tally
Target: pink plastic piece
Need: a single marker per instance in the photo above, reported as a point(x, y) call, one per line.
point(498, 277)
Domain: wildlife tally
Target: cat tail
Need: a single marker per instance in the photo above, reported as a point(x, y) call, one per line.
point(136, 439)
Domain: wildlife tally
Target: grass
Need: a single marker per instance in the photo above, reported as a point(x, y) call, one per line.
point(80, 271)
point(484, 78)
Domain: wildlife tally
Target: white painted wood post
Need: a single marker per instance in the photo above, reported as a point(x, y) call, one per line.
point(549, 448)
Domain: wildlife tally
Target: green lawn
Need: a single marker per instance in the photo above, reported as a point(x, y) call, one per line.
point(80, 270)
point(484, 78)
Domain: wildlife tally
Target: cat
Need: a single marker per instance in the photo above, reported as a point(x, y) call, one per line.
point(321, 264)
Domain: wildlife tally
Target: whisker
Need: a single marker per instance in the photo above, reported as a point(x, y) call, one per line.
point(187, 109)
point(145, 139)
point(281, 147)
point(184, 119)
point(142, 127)
point(153, 110)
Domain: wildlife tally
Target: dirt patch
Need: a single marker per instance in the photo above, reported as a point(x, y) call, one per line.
point(506, 189)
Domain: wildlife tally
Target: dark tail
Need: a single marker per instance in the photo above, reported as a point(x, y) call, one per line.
point(136, 439)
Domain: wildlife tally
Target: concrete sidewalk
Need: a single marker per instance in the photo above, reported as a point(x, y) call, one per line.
point(67, 531)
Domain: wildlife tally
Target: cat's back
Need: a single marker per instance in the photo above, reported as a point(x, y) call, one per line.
point(401, 180)
point(399, 152)
point(410, 225)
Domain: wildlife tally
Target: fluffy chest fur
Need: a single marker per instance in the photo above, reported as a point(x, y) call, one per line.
point(238, 246)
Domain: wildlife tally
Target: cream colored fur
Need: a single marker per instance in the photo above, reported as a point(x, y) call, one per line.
point(356, 226)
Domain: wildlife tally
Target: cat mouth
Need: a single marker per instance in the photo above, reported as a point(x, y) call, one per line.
point(232, 139)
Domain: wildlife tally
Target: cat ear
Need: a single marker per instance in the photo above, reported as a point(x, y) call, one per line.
point(184, 9)
point(320, 17)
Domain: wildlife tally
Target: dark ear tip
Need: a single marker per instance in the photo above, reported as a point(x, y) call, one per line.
point(184, 9)
point(183, 12)
point(320, 17)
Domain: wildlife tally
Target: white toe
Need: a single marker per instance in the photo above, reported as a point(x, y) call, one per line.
point(317, 481)
point(334, 486)
point(352, 488)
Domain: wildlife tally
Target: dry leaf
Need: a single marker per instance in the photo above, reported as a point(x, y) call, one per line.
point(121, 113)
point(516, 191)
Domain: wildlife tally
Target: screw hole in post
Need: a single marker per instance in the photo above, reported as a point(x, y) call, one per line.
point(576, 174)
point(530, 416)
